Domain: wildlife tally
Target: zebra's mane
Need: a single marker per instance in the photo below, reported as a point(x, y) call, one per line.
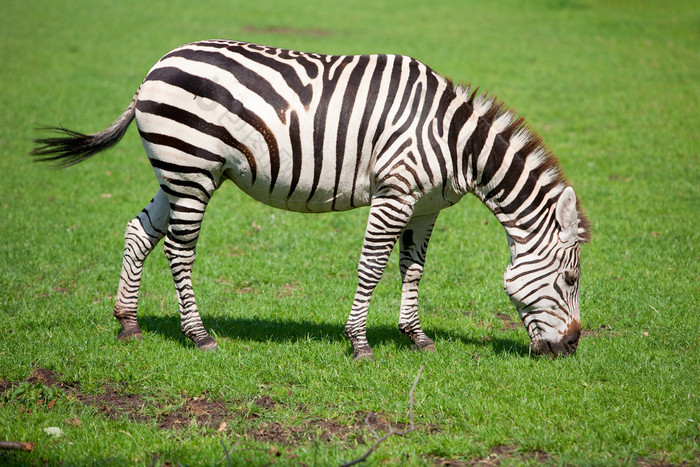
point(536, 155)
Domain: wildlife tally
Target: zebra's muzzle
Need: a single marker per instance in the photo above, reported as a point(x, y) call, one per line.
point(567, 345)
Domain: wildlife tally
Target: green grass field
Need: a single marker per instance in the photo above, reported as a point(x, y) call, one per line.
point(611, 86)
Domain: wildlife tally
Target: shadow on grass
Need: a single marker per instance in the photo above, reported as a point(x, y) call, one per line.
point(271, 330)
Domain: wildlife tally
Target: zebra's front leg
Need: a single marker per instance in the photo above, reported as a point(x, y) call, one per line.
point(179, 247)
point(142, 234)
point(413, 246)
point(387, 217)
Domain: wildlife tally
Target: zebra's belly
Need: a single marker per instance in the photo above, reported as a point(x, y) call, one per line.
point(302, 189)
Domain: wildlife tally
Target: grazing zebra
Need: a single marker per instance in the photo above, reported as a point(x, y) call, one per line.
point(317, 133)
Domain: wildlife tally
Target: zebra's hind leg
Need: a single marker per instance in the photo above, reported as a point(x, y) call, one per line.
point(142, 234)
point(186, 215)
point(387, 217)
point(413, 246)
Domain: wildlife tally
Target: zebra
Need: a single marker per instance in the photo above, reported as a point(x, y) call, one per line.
point(308, 132)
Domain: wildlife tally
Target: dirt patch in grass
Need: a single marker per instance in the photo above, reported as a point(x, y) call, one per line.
point(329, 430)
point(199, 411)
point(265, 402)
point(5, 385)
point(45, 377)
point(275, 432)
point(247, 418)
point(114, 403)
point(315, 428)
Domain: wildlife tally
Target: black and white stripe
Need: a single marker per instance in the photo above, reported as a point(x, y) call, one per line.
point(317, 133)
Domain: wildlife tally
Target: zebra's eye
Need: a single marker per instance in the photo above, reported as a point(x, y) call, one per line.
point(570, 277)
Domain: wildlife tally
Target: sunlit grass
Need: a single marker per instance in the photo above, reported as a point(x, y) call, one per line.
point(611, 88)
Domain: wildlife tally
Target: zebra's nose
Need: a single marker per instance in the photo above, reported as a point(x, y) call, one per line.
point(567, 345)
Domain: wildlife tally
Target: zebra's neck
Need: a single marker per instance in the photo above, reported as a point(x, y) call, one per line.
point(503, 163)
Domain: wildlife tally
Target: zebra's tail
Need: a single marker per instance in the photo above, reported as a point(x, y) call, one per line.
point(72, 147)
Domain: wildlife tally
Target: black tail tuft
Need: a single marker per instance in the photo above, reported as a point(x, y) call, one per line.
point(72, 147)
point(66, 150)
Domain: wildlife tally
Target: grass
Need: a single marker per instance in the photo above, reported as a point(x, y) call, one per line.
point(612, 87)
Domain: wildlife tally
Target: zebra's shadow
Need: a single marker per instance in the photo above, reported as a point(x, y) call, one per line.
point(260, 329)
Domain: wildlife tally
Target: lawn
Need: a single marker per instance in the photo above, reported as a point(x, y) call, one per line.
point(612, 87)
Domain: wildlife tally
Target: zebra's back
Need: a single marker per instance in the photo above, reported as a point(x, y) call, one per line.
point(303, 132)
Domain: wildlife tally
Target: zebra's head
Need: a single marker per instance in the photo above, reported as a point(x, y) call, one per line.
point(542, 280)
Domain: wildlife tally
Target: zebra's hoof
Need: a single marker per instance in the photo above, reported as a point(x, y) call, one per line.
point(425, 347)
point(208, 344)
point(130, 335)
point(364, 353)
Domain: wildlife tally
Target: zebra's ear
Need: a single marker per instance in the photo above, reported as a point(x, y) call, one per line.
point(566, 215)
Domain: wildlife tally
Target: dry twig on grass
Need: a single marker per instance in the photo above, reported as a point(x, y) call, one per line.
point(392, 430)
point(16, 445)
point(227, 453)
